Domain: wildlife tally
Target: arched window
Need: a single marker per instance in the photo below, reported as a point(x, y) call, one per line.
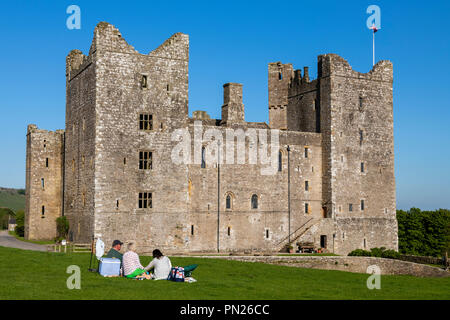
point(254, 201)
point(228, 202)
point(203, 157)
point(280, 161)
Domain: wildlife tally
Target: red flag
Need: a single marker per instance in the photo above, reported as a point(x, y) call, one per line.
point(374, 28)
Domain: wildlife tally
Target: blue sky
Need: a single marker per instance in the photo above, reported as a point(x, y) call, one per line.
point(233, 41)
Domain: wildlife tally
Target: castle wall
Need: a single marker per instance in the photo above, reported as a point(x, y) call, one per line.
point(248, 226)
point(81, 123)
point(43, 182)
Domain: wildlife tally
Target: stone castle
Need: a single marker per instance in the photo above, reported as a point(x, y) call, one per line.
point(110, 172)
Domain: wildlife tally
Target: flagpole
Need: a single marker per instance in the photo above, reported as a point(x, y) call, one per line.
point(373, 46)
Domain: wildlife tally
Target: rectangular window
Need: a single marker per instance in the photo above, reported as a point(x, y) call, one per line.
point(192, 230)
point(145, 160)
point(362, 166)
point(267, 233)
point(229, 231)
point(145, 122)
point(145, 200)
point(306, 207)
point(362, 205)
point(42, 183)
point(43, 210)
point(306, 185)
point(306, 152)
point(361, 137)
point(350, 207)
point(46, 162)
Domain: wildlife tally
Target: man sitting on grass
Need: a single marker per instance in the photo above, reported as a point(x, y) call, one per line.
point(114, 252)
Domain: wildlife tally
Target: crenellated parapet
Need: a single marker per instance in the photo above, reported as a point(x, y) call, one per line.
point(176, 47)
point(333, 64)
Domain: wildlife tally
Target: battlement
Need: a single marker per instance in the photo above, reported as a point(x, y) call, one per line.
point(32, 128)
point(108, 38)
point(334, 65)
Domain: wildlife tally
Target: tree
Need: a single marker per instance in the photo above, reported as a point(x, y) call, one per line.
point(424, 233)
point(20, 223)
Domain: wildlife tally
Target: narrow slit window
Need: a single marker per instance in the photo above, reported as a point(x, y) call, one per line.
point(362, 166)
point(350, 207)
point(229, 231)
point(228, 202)
point(306, 152)
point(306, 207)
point(280, 161)
point(254, 201)
point(43, 210)
point(361, 137)
point(192, 230)
point(144, 81)
point(42, 183)
point(203, 157)
point(46, 162)
point(280, 75)
point(362, 205)
point(267, 233)
point(306, 185)
point(117, 204)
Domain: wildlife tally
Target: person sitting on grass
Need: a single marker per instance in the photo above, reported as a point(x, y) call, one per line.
point(114, 251)
point(132, 267)
point(162, 266)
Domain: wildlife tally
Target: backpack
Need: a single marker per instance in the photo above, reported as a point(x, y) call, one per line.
point(176, 274)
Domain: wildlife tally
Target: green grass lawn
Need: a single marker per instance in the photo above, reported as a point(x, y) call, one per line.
point(42, 275)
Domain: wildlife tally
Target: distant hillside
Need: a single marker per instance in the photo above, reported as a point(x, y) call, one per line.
point(12, 198)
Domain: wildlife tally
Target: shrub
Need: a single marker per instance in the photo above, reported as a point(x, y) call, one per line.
point(377, 252)
point(390, 254)
point(360, 253)
point(62, 227)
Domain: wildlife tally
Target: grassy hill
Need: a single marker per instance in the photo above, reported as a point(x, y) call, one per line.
point(12, 198)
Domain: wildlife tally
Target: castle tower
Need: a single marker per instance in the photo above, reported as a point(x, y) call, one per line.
point(44, 159)
point(122, 107)
point(280, 77)
point(358, 153)
point(233, 107)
